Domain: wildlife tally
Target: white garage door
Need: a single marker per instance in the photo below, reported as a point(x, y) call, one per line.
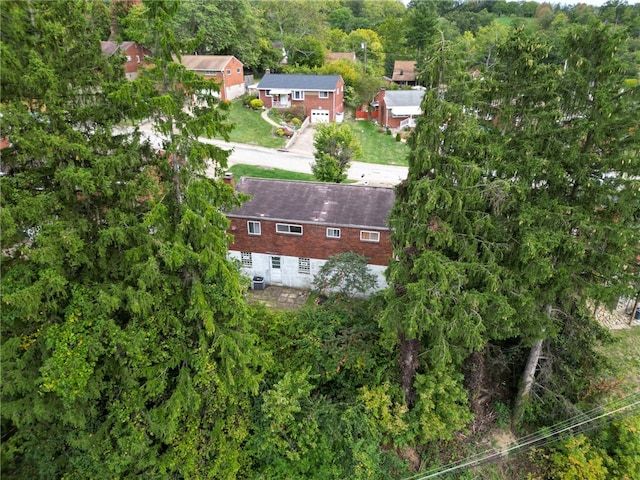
point(319, 116)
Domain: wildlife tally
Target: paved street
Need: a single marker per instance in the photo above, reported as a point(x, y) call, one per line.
point(298, 157)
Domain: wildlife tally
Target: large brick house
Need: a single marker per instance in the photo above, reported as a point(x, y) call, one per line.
point(397, 108)
point(136, 55)
point(321, 96)
point(288, 229)
point(227, 70)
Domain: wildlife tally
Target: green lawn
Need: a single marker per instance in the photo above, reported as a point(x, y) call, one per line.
point(379, 147)
point(242, 170)
point(250, 128)
point(625, 354)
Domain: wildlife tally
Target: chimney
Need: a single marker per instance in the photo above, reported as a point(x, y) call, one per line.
point(267, 71)
point(229, 180)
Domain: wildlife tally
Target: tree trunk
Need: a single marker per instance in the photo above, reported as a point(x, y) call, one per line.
point(408, 362)
point(528, 376)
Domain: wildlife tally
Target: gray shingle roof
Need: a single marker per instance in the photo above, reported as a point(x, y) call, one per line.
point(315, 203)
point(403, 98)
point(299, 82)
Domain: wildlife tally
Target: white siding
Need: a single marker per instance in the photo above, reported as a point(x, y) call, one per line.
point(235, 91)
point(290, 277)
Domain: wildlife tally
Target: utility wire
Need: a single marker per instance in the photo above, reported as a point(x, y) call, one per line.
point(574, 425)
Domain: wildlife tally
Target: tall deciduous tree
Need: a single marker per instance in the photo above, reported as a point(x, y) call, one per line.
point(125, 346)
point(336, 145)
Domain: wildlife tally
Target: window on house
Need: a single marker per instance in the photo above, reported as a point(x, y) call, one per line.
point(253, 228)
point(246, 259)
point(229, 72)
point(138, 58)
point(237, 70)
point(333, 233)
point(267, 93)
point(275, 263)
point(323, 94)
point(128, 58)
point(287, 228)
point(304, 265)
point(368, 236)
point(298, 95)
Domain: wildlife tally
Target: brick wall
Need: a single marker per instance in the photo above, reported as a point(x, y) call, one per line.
point(312, 101)
point(229, 78)
point(313, 243)
point(137, 54)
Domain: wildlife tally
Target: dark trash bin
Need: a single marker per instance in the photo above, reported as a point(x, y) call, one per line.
point(637, 315)
point(258, 283)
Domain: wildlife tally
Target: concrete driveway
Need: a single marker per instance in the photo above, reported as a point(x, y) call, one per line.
point(302, 142)
point(362, 173)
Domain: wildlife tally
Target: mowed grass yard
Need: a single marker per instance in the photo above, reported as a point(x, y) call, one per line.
point(379, 147)
point(624, 353)
point(255, 171)
point(250, 128)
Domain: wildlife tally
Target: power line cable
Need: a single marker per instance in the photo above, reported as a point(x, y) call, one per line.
point(574, 425)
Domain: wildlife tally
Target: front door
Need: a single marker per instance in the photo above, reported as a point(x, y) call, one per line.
point(276, 271)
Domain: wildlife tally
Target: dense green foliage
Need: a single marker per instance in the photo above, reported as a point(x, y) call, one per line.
point(335, 146)
point(128, 348)
point(326, 403)
point(521, 205)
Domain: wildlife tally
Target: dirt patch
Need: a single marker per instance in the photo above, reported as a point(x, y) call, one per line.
point(411, 456)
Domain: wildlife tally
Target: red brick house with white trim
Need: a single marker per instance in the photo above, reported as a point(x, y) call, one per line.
point(397, 108)
point(288, 229)
point(321, 96)
point(226, 70)
point(136, 55)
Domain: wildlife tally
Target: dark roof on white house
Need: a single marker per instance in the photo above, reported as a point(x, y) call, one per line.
point(318, 203)
point(299, 82)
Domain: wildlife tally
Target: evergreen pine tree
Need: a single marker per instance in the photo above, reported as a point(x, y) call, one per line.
point(126, 345)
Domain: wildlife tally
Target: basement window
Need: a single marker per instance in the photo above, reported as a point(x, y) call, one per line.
point(246, 259)
point(304, 265)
